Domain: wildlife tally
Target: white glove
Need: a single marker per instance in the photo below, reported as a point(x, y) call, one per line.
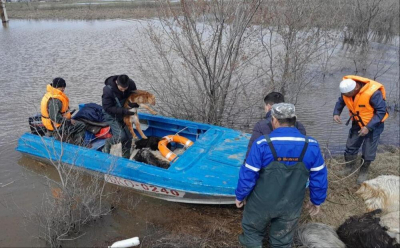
point(133, 110)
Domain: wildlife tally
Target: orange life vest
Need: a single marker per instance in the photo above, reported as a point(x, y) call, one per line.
point(360, 109)
point(57, 94)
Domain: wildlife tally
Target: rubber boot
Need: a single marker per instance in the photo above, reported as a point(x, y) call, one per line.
point(126, 153)
point(106, 147)
point(243, 243)
point(363, 174)
point(350, 162)
point(126, 149)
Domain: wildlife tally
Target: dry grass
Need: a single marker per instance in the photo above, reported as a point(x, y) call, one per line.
point(219, 226)
point(342, 201)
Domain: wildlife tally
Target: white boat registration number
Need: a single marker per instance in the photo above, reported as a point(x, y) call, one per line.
point(142, 186)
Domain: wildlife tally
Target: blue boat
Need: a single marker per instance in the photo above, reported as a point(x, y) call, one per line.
point(206, 173)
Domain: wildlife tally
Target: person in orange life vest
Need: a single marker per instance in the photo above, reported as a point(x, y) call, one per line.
point(366, 101)
point(56, 116)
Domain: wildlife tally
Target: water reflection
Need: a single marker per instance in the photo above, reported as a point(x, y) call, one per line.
point(117, 225)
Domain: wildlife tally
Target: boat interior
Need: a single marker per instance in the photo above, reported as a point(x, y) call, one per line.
point(152, 126)
point(157, 126)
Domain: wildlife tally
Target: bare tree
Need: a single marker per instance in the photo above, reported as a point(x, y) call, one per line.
point(368, 19)
point(66, 210)
point(361, 15)
point(201, 52)
point(294, 43)
point(76, 197)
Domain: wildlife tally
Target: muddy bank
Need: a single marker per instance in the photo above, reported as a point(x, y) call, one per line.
point(219, 226)
point(71, 10)
point(165, 224)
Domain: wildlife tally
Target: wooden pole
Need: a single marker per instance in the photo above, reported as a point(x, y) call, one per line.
point(3, 11)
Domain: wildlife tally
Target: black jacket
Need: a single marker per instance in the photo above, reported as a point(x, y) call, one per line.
point(111, 92)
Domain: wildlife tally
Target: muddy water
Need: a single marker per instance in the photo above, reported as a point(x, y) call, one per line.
point(85, 53)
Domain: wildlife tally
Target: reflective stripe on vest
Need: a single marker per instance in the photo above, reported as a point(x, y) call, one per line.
point(360, 109)
point(56, 94)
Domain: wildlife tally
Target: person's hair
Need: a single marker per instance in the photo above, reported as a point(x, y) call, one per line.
point(274, 97)
point(291, 122)
point(123, 80)
point(58, 83)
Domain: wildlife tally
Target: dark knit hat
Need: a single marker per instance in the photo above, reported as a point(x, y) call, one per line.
point(58, 83)
point(123, 81)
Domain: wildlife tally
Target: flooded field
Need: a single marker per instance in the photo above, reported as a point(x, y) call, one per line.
point(87, 10)
point(85, 53)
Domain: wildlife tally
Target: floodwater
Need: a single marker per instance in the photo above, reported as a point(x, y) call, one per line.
point(85, 53)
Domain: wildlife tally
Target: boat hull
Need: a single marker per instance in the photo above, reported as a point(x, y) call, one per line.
point(170, 194)
point(206, 173)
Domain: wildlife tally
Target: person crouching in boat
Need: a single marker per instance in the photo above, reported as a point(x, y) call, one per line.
point(115, 92)
point(274, 179)
point(366, 101)
point(56, 116)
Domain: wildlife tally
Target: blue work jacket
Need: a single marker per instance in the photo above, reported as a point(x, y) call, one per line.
point(288, 142)
point(264, 127)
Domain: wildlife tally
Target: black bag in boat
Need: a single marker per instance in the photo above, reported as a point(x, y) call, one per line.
point(93, 127)
point(92, 115)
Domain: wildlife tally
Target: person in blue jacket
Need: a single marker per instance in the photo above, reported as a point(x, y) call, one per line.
point(366, 101)
point(264, 126)
point(273, 181)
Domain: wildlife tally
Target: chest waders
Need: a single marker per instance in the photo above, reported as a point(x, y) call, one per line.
point(277, 198)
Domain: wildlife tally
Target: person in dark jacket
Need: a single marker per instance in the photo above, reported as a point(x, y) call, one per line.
point(115, 92)
point(274, 178)
point(264, 126)
point(366, 101)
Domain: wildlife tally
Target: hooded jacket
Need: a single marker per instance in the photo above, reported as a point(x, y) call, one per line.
point(110, 95)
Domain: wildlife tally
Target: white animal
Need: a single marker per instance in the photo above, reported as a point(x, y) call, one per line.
point(392, 222)
point(318, 235)
point(116, 150)
point(381, 192)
